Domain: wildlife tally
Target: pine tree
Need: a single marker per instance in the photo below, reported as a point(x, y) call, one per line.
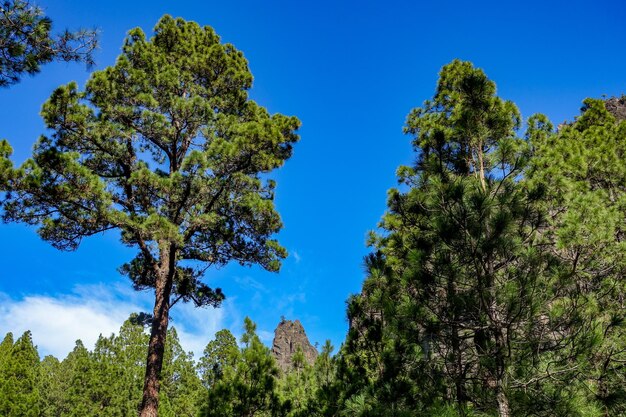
point(52, 387)
point(248, 388)
point(5, 357)
point(297, 387)
point(166, 147)
point(120, 366)
point(459, 286)
point(220, 353)
point(86, 393)
point(581, 167)
point(19, 374)
point(182, 387)
point(328, 388)
point(108, 381)
point(5, 349)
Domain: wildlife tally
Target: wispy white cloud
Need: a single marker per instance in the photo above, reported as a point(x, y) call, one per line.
point(296, 257)
point(247, 283)
point(56, 322)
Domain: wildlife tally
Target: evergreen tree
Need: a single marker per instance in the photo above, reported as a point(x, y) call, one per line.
point(6, 166)
point(108, 381)
point(327, 387)
point(5, 349)
point(248, 388)
point(5, 355)
point(19, 374)
point(297, 387)
point(120, 363)
point(219, 354)
point(324, 365)
point(182, 387)
point(459, 287)
point(166, 147)
point(52, 388)
point(581, 167)
point(86, 394)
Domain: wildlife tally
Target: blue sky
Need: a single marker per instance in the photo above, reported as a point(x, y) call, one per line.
point(351, 71)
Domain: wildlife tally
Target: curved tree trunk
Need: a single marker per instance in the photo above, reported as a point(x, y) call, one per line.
point(156, 348)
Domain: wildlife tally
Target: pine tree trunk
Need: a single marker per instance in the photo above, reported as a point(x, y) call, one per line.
point(455, 340)
point(503, 401)
point(499, 335)
point(500, 371)
point(481, 164)
point(156, 347)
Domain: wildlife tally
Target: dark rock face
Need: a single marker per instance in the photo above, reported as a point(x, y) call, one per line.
point(288, 336)
point(617, 107)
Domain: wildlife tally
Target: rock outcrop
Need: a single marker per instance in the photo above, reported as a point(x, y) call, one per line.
point(288, 337)
point(617, 107)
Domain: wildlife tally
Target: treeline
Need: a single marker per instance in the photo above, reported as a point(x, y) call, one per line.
point(107, 381)
point(230, 379)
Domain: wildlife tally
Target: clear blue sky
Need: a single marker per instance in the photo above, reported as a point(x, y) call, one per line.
point(351, 71)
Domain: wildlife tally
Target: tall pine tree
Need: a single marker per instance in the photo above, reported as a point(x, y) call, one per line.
point(459, 287)
point(166, 147)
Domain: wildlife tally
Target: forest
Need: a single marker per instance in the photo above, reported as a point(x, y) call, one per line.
point(494, 283)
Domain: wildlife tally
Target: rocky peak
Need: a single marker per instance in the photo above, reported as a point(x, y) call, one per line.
point(288, 336)
point(617, 107)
